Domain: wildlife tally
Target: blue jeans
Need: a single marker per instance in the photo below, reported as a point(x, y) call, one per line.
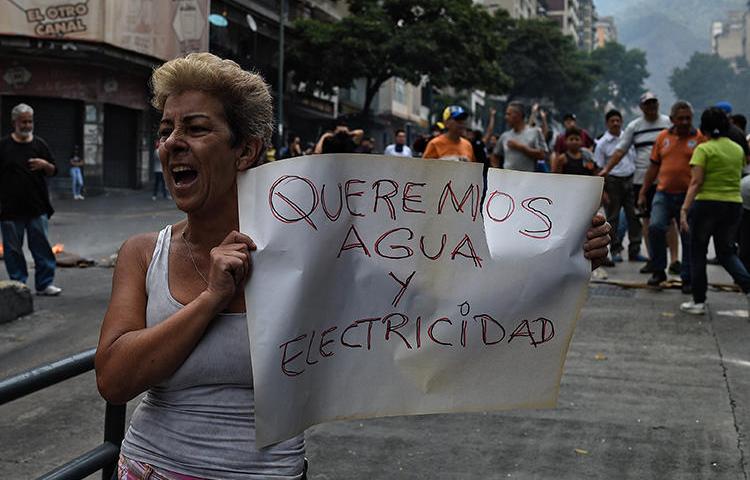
point(664, 209)
point(77, 177)
point(718, 219)
point(15, 262)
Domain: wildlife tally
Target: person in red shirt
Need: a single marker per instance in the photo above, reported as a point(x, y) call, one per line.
point(451, 145)
point(670, 167)
point(570, 121)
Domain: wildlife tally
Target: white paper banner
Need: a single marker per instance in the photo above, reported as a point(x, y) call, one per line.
point(380, 287)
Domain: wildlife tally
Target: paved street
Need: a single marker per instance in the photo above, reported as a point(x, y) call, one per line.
point(648, 392)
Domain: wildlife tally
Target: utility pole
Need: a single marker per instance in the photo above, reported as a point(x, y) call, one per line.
point(280, 93)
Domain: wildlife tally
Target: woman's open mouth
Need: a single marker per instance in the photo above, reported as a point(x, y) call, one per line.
point(184, 175)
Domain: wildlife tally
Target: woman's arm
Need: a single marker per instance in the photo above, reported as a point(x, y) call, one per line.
point(697, 176)
point(130, 358)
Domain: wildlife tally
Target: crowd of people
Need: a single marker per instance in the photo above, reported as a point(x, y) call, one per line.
point(175, 328)
point(651, 167)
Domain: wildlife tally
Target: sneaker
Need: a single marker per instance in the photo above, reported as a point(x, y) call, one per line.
point(687, 289)
point(50, 291)
point(693, 308)
point(80, 197)
point(637, 258)
point(656, 279)
point(674, 267)
point(648, 268)
point(607, 262)
point(617, 258)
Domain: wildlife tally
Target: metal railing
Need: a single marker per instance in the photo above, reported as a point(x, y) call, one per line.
point(104, 457)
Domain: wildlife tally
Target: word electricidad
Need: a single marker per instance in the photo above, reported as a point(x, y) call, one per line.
point(305, 351)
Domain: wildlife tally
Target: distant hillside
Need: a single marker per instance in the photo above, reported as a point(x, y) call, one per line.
point(668, 30)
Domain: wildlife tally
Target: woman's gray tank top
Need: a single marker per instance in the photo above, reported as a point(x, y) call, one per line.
point(201, 420)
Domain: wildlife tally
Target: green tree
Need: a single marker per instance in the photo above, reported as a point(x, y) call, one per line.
point(545, 63)
point(453, 42)
point(705, 80)
point(621, 77)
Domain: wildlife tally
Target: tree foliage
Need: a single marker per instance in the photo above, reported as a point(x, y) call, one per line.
point(708, 79)
point(545, 63)
point(459, 44)
point(450, 41)
point(621, 76)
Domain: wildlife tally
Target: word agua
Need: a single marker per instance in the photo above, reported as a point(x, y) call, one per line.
point(305, 351)
point(388, 196)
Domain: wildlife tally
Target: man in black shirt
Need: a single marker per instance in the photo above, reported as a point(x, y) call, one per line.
point(735, 134)
point(25, 161)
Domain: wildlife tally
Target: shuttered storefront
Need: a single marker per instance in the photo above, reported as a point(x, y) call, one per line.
point(120, 147)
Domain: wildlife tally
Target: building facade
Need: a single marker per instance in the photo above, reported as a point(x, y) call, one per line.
point(567, 14)
point(605, 31)
point(516, 8)
point(729, 38)
point(588, 19)
point(84, 68)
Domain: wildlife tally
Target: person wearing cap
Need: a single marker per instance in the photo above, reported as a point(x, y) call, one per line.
point(735, 134)
point(451, 145)
point(521, 146)
point(641, 134)
point(570, 121)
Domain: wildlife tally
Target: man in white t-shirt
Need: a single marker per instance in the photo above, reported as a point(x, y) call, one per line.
point(398, 149)
point(641, 134)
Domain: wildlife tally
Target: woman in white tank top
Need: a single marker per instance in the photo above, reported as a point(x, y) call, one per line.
point(175, 327)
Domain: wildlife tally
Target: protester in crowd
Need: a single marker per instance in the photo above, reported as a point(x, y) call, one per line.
point(713, 206)
point(488, 132)
point(735, 133)
point(270, 154)
point(420, 144)
point(25, 162)
point(569, 121)
point(479, 148)
point(521, 146)
point(366, 145)
point(641, 134)
point(340, 140)
point(618, 187)
point(76, 173)
point(451, 145)
point(159, 186)
point(399, 147)
point(176, 327)
point(739, 121)
point(538, 118)
point(744, 230)
point(575, 160)
point(491, 143)
point(670, 168)
point(293, 148)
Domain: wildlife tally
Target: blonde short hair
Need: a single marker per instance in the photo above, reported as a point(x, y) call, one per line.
point(245, 95)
